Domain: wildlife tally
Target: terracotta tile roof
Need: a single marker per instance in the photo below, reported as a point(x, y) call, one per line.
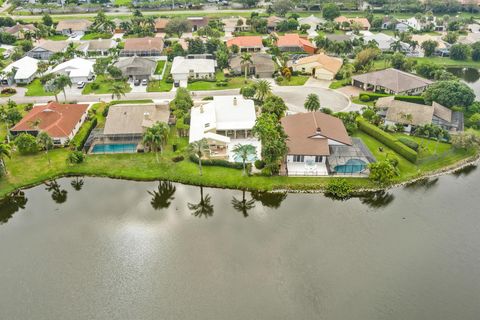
point(56, 119)
point(246, 42)
point(144, 44)
point(308, 133)
point(293, 40)
point(161, 23)
point(326, 62)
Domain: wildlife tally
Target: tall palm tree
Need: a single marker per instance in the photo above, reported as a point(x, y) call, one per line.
point(199, 148)
point(77, 183)
point(243, 151)
point(202, 208)
point(5, 151)
point(45, 142)
point(118, 90)
point(243, 205)
point(245, 61)
point(61, 82)
point(312, 103)
point(396, 46)
point(161, 198)
point(263, 89)
point(156, 137)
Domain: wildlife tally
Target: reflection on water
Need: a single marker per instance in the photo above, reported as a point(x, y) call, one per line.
point(77, 183)
point(269, 199)
point(58, 195)
point(243, 205)
point(204, 208)
point(378, 199)
point(163, 196)
point(465, 171)
point(469, 75)
point(425, 183)
point(11, 204)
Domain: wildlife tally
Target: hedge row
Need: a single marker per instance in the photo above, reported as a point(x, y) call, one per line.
point(412, 99)
point(409, 143)
point(82, 135)
point(217, 162)
point(388, 140)
point(372, 96)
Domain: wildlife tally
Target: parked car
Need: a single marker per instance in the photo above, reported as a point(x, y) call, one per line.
point(91, 77)
point(80, 84)
point(144, 82)
point(136, 82)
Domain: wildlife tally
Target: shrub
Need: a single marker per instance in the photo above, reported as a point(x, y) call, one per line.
point(409, 143)
point(76, 157)
point(81, 137)
point(217, 162)
point(388, 140)
point(338, 188)
point(26, 143)
point(9, 91)
point(393, 161)
point(105, 111)
point(279, 79)
point(364, 97)
point(372, 96)
point(259, 164)
point(94, 86)
point(178, 158)
point(382, 172)
point(207, 98)
point(412, 99)
point(28, 107)
point(221, 83)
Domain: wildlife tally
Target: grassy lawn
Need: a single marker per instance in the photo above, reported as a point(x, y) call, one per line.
point(104, 86)
point(339, 83)
point(125, 3)
point(35, 88)
point(3, 126)
point(96, 35)
point(161, 85)
point(233, 83)
point(159, 68)
point(294, 81)
point(57, 37)
point(358, 101)
point(446, 62)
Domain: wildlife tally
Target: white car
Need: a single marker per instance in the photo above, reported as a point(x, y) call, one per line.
point(80, 84)
point(144, 82)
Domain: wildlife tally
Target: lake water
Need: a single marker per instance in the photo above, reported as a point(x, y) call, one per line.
point(470, 76)
point(98, 248)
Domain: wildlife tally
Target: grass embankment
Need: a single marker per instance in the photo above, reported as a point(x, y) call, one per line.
point(232, 83)
point(161, 85)
point(294, 81)
point(96, 35)
point(104, 86)
point(36, 89)
point(441, 61)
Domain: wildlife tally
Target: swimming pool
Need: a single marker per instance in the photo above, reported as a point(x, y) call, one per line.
point(115, 148)
point(351, 166)
point(250, 158)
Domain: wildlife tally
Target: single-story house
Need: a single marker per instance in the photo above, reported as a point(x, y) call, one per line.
point(412, 114)
point(77, 69)
point(60, 121)
point(473, 27)
point(310, 139)
point(391, 81)
point(272, 22)
point(197, 22)
point(22, 71)
point(235, 24)
point(247, 43)
point(136, 67)
point(19, 30)
point(384, 41)
point(320, 66)
point(225, 122)
point(45, 50)
point(185, 68)
point(402, 27)
point(421, 38)
point(470, 38)
point(362, 22)
point(313, 22)
point(77, 26)
point(161, 24)
point(100, 47)
point(262, 65)
point(292, 42)
point(147, 46)
point(339, 37)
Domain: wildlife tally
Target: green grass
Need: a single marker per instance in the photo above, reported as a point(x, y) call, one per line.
point(35, 89)
point(124, 3)
point(336, 84)
point(96, 35)
point(3, 126)
point(105, 86)
point(57, 37)
point(161, 85)
point(367, 103)
point(442, 61)
point(232, 83)
point(294, 81)
point(159, 68)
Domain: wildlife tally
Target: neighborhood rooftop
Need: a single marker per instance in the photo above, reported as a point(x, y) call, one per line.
point(393, 79)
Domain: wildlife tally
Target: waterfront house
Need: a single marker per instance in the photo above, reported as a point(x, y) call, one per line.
point(60, 121)
point(225, 122)
point(73, 26)
point(22, 71)
point(391, 81)
point(320, 66)
point(136, 67)
point(184, 68)
point(77, 69)
point(292, 42)
point(147, 46)
point(46, 49)
point(246, 43)
point(262, 65)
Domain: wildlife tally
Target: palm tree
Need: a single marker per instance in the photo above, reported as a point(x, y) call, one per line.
point(263, 89)
point(396, 46)
point(245, 61)
point(202, 208)
point(118, 90)
point(243, 151)
point(61, 82)
point(5, 151)
point(243, 205)
point(52, 87)
point(45, 142)
point(161, 198)
point(77, 184)
point(199, 148)
point(312, 103)
point(156, 137)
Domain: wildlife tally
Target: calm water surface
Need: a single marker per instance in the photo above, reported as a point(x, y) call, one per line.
point(470, 76)
point(107, 249)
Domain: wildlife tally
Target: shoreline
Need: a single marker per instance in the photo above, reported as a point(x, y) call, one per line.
point(356, 192)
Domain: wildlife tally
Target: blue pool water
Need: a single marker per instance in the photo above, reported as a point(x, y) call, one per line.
point(250, 158)
point(115, 148)
point(351, 166)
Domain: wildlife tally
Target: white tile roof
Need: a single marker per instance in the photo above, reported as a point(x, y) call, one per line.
point(77, 67)
point(181, 65)
point(26, 67)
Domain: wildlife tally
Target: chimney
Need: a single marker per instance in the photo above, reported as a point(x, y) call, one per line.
point(234, 101)
point(146, 116)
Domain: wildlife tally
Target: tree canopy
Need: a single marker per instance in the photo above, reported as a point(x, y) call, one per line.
point(452, 93)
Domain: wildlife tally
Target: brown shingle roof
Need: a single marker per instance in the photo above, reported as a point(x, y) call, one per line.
point(308, 133)
point(406, 112)
point(56, 119)
point(161, 23)
point(262, 62)
point(393, 79)
point(20, 27)
point(144, 44)
point(74, 25)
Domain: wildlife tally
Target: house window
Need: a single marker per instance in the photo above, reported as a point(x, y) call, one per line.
point(298, 158)
point(318, 159)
